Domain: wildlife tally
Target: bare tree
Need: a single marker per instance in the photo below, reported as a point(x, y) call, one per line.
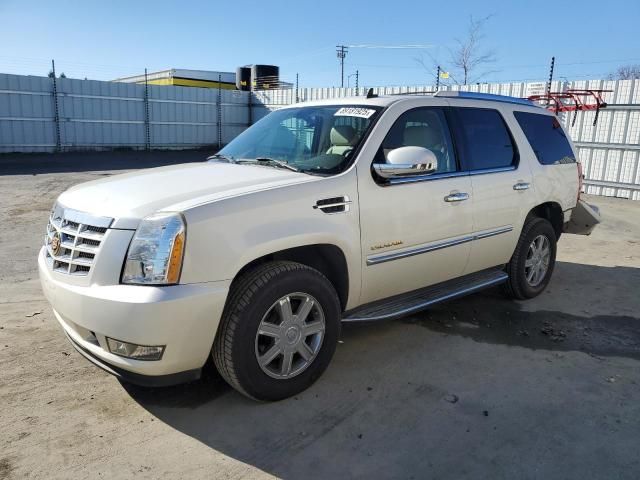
point(625, 72)
point(431, 65)
point(469, 55)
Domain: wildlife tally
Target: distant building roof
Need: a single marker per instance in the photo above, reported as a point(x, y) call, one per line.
point(185, 78)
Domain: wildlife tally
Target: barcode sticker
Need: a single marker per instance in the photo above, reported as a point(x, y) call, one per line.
point(354, 112)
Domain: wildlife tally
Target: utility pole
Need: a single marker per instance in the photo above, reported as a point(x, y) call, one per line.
point(297, 84)
point(341, 51)
point(438, 79)
point(357, 75)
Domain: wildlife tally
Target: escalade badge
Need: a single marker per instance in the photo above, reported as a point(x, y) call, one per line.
point(394, 243)
point(55, 244)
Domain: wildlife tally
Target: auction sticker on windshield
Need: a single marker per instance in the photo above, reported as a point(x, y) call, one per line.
point(354, 112)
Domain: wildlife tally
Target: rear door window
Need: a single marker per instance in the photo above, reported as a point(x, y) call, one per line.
point(485, 139)
point(546, 137)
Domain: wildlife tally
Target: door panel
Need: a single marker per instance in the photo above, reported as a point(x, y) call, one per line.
point(425, 240)
point(497, 215)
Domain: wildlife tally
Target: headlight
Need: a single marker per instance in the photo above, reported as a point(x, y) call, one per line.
point(156, 251)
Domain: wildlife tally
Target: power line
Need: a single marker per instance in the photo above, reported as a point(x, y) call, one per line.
point(561, 64)
point(393, 47)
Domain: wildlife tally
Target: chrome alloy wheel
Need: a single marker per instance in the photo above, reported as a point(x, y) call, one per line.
point(290, 335)
point(537, 263)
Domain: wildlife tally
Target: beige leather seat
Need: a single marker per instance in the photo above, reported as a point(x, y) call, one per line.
point(342, 138)
point(422, 136)
point(429, 138)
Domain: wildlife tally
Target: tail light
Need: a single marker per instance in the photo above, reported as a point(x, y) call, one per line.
point(580, 179)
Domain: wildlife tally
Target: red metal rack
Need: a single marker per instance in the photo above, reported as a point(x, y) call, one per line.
point(573, 100)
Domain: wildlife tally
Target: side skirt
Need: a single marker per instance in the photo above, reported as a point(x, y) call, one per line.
point(417, 300)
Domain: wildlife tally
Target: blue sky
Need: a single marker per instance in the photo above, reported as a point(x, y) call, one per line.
point(106, 39)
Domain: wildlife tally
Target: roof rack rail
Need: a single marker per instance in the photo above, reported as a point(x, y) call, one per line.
point(484, 96)
point(417, 92)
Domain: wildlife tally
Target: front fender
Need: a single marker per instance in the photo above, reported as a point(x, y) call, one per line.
point(226, 235)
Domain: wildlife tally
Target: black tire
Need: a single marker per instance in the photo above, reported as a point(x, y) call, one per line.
point(517, 285)
point(251, 297)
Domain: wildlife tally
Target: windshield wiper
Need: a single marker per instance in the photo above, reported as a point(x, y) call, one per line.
point(222, 156)
point(279, 163)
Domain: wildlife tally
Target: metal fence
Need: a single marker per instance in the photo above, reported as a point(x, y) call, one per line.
point(40, 114)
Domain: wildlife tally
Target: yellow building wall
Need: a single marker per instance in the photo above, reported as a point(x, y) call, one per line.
point(187, 82)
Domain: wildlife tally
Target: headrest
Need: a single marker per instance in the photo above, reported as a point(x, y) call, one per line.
point(421, 137)
point(342, 135)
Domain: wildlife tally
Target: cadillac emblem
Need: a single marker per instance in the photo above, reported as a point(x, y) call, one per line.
point(55, 244)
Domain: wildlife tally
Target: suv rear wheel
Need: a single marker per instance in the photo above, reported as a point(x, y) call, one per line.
point(278, 332)
point(533, 260)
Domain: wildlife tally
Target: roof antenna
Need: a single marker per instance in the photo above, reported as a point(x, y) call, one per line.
point(370, 93)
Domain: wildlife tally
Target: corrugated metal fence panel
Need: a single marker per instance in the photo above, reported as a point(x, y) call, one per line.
point(26, 114)
point(610, 150)
point(182, 116)
point(97, 114)
point(103, 115)
point(188, 117)
point(235, 113)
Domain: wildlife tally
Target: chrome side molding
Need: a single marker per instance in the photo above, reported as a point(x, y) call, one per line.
point(387, 257)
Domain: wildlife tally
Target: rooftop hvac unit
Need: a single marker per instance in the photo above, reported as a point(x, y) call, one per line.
point(243, 78)
point(265, 77)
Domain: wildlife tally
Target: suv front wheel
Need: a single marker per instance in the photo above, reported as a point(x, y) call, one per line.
point(533, 260)
point(279, 330)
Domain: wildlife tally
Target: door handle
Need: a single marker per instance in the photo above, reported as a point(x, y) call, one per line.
point(521, 186)
point(456, 197)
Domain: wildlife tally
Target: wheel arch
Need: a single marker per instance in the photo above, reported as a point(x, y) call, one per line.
point(327, 258)
point(551, 211)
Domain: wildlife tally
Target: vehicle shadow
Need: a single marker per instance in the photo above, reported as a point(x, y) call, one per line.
point(42, 163)
point(446, 393)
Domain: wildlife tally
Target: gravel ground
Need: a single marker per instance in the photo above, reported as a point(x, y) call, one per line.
point(481, 387)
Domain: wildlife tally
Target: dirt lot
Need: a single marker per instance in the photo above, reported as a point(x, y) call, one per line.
point(477, 388)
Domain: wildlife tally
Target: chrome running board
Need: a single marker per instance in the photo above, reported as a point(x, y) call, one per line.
point(412, 302)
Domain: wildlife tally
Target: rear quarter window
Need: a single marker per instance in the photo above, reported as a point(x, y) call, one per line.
point(546, 137)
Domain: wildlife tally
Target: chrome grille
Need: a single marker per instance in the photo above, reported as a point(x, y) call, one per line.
point(79, 237)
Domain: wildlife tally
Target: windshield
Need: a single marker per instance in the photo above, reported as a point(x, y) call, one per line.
point(308, 139)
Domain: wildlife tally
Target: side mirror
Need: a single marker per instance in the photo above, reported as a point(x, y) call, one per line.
point(406, 162)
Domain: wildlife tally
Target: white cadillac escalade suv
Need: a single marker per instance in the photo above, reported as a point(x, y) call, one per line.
point(353, 209)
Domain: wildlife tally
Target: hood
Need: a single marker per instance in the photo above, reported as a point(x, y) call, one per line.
point(132, 196)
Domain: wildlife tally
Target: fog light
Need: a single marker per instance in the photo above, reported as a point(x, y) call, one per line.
point(136, 352)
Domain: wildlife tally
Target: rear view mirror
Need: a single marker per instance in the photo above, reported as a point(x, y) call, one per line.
point(407, 161)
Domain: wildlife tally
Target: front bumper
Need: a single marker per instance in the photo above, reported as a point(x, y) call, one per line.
point(185, 318)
